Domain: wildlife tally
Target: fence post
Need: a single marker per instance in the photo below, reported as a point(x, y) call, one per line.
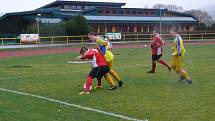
point(82, 40)
point(189, 36)
point(2, 41)
point(202, 36)
point(20, 42)
point(137, 38)
point(52, 41)
point(67, 41)
point(124, 37)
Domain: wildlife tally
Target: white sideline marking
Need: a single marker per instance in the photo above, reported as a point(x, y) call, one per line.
point(73, 105)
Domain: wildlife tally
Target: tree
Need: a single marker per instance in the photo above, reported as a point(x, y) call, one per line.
point(201, 27)
point(77, 26)
point(213, 27)
point(169, 7)
point(202, 16)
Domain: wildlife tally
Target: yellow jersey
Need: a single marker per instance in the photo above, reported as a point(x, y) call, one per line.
point(178, 46)
point(106, 45)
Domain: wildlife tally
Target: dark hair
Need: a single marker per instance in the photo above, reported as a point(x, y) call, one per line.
point(155, 30)
point(92, 34)
point(83, 49)
point(174, 29)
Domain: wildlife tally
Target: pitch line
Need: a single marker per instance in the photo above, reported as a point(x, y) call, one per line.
point(73, 105)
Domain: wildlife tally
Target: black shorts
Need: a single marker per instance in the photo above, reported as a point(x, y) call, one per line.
point(99, 72)
point(156, 57)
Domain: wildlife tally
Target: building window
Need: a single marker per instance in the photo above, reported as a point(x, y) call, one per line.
point(66, 6)
point(140, 12)
point(100, 11)
point(121, 12)
point(128, 12)
point(147, 13)
point(79, 7)
point(107, 12)
point(114, 12)
point(134, 12)
point(73, 7)
point(153, 13)
point(187, 28)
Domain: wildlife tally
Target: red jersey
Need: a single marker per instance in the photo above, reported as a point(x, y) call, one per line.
point(98, 59)
point(156, 45)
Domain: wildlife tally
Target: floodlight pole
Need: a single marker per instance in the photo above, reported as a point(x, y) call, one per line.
point(160, 21)
point(38, 23)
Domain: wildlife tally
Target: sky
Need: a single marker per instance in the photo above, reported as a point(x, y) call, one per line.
point(25, 5)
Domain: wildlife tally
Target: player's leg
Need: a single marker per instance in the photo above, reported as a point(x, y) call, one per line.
point(99, 84)
point(177, 64)
point(183, 74)
point(104, 72)
point(115, 74)
point(174, 64)
point(163, 62)
point(89, 81)
point(154, 64)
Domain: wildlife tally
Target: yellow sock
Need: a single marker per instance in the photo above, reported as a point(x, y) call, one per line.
point(185, 75)
point(115, 75)
point(176, 70)
point(110, 80)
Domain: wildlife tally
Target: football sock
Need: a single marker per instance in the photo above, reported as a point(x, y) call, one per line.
point(115, 75)
point(185, 75)
point(88, 83)
point(153, 67)
point(110, 80)
point(164, 63)
point(99, 82)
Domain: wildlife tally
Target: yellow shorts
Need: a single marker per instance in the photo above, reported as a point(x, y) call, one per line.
point(110, 64)
point(177, 62)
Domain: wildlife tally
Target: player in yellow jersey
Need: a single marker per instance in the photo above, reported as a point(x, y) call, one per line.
point(105, 46)
point(178, 53)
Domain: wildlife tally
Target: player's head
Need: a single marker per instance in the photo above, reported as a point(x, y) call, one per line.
point(92, 36)
point(83, 50)
point(155, 32)
point(173, 32)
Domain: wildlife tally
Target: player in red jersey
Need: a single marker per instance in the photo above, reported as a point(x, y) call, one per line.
point(156, 47)
point(100, 67)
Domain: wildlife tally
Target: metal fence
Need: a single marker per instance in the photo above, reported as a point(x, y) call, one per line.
point(67, 40)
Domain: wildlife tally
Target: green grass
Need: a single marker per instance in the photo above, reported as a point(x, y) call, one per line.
point(154, 97)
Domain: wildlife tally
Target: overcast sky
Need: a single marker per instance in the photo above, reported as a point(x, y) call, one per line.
point(23, 5)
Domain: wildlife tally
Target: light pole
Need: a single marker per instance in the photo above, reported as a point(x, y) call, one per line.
point(160, 19)
point(38, 23)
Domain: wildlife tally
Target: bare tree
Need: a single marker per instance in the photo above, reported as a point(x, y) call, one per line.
point(202, 16)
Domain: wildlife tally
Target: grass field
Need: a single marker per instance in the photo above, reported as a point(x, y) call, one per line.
point(144, 96)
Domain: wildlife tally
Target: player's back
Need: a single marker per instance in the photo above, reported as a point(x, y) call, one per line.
point(178, 46)
point(98, 59)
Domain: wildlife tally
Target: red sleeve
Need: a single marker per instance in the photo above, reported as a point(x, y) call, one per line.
point(153, 41)
point(159, 42)
point(88, 55)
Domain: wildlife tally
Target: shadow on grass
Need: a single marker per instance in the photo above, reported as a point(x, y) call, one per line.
point(21, 66)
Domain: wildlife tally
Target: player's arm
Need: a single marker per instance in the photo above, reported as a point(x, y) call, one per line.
point(158, 42)
point(109, 46)
point(153, 44)
point(88, 55)
point(101, 41)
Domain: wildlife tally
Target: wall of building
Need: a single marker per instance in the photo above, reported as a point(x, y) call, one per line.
point(140, 28)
